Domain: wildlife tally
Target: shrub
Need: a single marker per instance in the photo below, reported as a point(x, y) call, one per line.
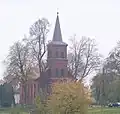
point(40, 106)
point(69, 98)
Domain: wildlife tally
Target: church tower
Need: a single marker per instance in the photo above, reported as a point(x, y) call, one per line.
point(57, 54)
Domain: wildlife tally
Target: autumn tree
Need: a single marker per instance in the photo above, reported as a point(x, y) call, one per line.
point(83, 56)
point(69, 98)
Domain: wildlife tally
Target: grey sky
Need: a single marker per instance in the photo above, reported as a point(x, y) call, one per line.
point(98, 19)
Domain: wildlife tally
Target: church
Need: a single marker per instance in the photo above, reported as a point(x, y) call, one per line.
point(57, 68)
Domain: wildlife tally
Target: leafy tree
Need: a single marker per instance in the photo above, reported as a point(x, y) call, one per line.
point(108, 90)
point(100, 87)
point(114, 91)
point(104, 90)
point(69, 98)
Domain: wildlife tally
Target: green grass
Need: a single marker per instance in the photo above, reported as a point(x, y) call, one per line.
point(13, 111)
point(104, 111)
point(90, 111)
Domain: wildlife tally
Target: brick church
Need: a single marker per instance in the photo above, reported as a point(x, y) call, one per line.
point(57, 67)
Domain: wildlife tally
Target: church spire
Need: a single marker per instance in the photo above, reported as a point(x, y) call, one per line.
point(57, 31)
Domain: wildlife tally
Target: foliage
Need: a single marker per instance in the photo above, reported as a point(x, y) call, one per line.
point(100, 88)
point(40, 106)
point(69, 98)
point(109, 79)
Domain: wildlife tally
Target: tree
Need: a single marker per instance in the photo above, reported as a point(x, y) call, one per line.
point(113, 61)
point(105, 84)
point(19, 63)
point(111, 77)
point(96, 88)
point(38, 34)
point(100, 87)
point(84, 57)
point(69, 98)
point(104, 89)
point(26, 57)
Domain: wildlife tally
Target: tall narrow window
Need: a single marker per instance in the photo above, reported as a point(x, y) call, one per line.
point(56, 53)
point(62, 72)
point(62, 54)
point(49, 53)
point(34, 90)
point(49, 72)
point(28, 92)
point(31, 90)
point(56, 72)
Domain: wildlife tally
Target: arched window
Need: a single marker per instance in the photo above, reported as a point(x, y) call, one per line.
point(62, 54)
point(62, 72)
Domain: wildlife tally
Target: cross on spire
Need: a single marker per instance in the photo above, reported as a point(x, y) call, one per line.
point(57, 11)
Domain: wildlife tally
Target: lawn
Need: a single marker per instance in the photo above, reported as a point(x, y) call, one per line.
point(12, 111)
point(90, 111)
point(104, 111)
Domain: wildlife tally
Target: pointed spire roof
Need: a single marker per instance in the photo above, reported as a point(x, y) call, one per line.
point(57, 36)
point(57, 31)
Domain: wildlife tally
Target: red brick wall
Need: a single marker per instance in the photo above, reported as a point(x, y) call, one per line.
point(57, 62)
point(32, 92)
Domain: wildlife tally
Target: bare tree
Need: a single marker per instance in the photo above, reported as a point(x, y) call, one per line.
point(113, 60)
point(19, 64)
point(84, 57)
point(38, 34)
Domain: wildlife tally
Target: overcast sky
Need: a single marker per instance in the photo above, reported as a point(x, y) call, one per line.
point(98, 19)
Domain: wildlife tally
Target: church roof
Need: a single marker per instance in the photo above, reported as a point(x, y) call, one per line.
point(57, 36)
